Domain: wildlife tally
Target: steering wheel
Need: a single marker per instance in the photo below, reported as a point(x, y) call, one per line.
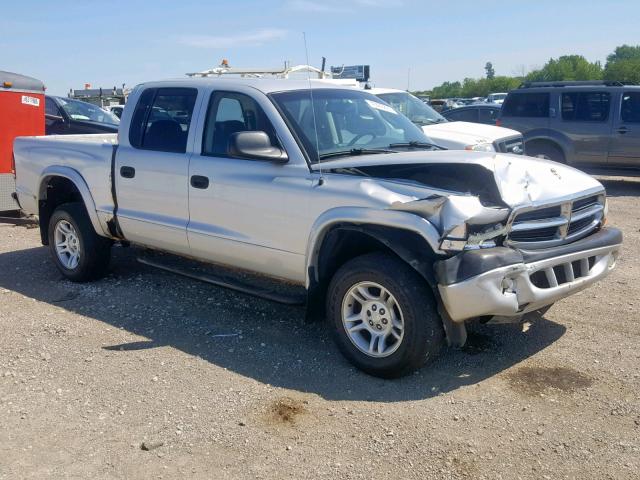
point(358, 137)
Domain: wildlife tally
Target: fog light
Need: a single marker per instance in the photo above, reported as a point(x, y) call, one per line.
point(508, 285)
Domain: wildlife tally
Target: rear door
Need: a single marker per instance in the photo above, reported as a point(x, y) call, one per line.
point(586, 120)
point(151, 169)
point(625, 136)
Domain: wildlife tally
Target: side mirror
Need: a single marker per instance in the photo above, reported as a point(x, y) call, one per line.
point(255, 145)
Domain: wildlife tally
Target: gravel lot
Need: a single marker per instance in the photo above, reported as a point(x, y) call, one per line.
point(148, 375)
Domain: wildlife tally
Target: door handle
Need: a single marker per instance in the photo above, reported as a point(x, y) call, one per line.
point(622, 130)
point(127, 172)
point(198, 181)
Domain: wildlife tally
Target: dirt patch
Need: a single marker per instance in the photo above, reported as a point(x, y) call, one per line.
point(535, 380)
point(286, 410)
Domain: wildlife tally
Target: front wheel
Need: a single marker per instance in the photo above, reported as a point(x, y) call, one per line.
point(383, 316)
point(546, 151)
point(77, 250)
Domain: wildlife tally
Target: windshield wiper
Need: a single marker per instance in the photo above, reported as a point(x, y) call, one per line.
point(355, 151)
point(416, 144)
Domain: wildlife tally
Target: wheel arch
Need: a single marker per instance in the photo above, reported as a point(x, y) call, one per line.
point(554, 138)
point(60, 185)
point(409, 237)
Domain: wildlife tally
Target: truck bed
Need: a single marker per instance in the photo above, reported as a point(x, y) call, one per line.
point(87, 155)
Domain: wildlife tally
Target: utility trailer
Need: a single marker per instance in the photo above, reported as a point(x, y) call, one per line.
point(22, 108)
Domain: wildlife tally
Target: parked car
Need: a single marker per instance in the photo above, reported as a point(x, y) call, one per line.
point(115, 109)
point(440, 105)
point(66, 116)
point(496, 98)
point(481, 113)
point(452, 135)
point(587, 124)
point(330, 191)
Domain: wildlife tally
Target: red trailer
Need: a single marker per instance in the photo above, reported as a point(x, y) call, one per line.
point(22, 108)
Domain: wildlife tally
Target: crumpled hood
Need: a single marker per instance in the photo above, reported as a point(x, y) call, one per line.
point(520, 180)
point(470, 133)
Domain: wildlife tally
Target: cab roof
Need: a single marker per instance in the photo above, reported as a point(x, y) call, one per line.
point(265, 85)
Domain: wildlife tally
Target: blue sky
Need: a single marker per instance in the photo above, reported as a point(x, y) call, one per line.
point(69, 43)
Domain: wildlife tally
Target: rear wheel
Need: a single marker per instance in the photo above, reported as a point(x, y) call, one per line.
point(77, 250)
point(383, 316)
point(546, 151)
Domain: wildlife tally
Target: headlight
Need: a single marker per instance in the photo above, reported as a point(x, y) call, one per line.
point(605, 212)
point(481, 147)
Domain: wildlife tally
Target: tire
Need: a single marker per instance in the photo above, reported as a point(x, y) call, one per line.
point(70, 225)
point(545, 150)
point(404, 349)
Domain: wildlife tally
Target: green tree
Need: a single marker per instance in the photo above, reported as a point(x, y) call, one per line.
point(624, 52)
point(447, 90)
point(567, 67)
point(623, 65)
point(626, 71)
point(491, 73)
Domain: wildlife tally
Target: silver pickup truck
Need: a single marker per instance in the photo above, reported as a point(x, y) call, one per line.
point(396, 242)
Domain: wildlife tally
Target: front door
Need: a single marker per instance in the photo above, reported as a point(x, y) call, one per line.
point(625, 135)
point(246, 213)
point(151, 171)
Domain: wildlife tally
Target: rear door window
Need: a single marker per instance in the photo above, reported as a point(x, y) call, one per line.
point(488, 115)
point(526, 105)
point(585, 106)
point(162, 118)
point(466, 115)
point(630, 111)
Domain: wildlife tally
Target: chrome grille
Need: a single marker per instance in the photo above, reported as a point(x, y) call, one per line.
point(511, 145)
point(551, 225)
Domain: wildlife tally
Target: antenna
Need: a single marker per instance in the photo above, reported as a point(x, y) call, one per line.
point(313, 109)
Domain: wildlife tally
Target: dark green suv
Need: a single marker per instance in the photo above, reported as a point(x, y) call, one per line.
point(586, 124)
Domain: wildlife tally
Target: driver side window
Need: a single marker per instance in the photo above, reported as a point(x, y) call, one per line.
point(229, 113)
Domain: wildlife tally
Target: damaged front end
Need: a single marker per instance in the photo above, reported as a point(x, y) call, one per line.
point(463, 221)
point(466, 205)
point(515, 236)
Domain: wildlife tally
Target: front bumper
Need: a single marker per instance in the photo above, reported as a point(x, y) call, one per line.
point(508, 283)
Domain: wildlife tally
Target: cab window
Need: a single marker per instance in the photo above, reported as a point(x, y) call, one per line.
point(229, 113)
point(162, 119)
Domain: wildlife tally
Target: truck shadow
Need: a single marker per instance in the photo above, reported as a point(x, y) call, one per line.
point(621, 187)
point(254, 338)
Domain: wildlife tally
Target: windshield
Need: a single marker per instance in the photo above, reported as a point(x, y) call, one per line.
point(415, 109)
point(346, 121)
point(78, 110)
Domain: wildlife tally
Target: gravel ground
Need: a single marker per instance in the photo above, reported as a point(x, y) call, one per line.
point(148, 375)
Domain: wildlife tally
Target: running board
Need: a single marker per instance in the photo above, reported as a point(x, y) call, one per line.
point(234, 284)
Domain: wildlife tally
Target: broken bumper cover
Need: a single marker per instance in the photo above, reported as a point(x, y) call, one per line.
point(506, 282)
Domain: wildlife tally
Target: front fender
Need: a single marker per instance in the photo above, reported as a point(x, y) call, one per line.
point(79, 182)
point(363, 215)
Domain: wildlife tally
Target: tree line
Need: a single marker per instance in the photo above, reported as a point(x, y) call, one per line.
point(622, 65)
